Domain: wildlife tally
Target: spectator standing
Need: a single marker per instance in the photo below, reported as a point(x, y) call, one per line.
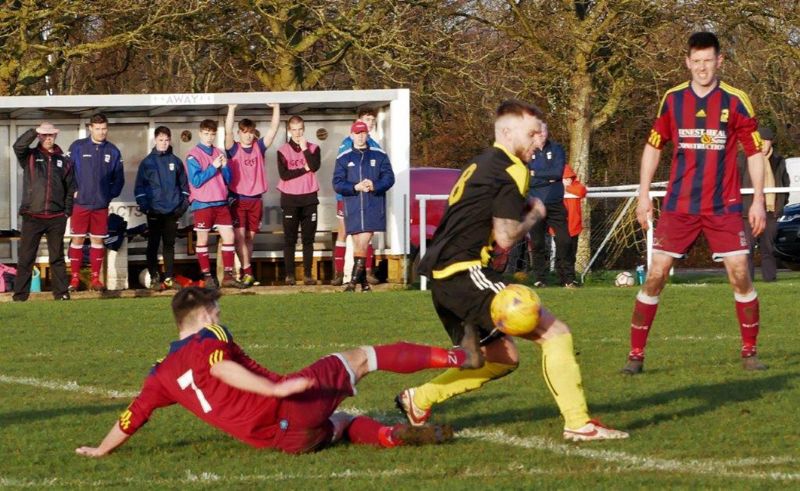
point(298, 163)
point(369, 116)
point(209, 176)
point(574, 216)
point(362, 175)
point(775, 176)
point(162, 193)
point(547, 171)
point(248, 183)
point(99, 178)
point(47, 194)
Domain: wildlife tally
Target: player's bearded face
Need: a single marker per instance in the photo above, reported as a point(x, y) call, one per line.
point(703, 65)
point(525, 137)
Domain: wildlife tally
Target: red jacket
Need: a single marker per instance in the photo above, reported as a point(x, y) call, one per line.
point(573, 205)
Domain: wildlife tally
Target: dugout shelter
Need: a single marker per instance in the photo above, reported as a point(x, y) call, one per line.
point(134, 117)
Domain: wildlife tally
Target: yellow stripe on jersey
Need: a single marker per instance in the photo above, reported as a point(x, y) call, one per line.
point(215, 357)
point(518, 170)
point(455, 268)
point(218, 331)
point(742, 97)
point(125, 419)
point(757, 140)
point(655, 139)
point(668, 92)
point(521, 177)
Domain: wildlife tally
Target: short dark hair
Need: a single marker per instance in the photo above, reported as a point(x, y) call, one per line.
point(702, 40)
point(518, 108)
point(163, 130)
point(296, 119)
point(98, 118)
point(367, 111)
point(191, 298)
point(247, 125)
point(208, 124)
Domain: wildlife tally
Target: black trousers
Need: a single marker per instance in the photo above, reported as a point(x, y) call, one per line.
point(32, 231)
point(161, 227)
point(294, 218)
point(766, 244)
point(557, 219)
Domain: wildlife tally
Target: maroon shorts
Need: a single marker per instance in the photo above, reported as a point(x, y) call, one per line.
point(340, 209)
point(247, 214)
point(676, 232)
point(213, 216)
point(304, 422)
point(85, 221)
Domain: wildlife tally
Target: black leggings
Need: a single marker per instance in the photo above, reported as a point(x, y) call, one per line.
point(295, 217)
point(161, 227)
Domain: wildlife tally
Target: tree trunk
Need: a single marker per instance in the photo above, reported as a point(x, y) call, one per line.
point(580, 124)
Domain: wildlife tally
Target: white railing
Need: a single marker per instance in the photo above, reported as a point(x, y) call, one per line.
point(625, 191)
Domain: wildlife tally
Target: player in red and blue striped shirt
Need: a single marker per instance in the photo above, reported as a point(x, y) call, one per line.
point(705, 119)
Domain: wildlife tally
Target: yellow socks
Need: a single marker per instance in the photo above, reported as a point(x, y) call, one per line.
point(456, 381)
point(563, 377)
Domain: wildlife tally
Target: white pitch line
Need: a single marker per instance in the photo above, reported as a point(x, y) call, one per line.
point(622, 460)
point(705, 467)
point(68, 386)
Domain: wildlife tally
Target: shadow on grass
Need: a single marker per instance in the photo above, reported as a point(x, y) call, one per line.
point(34, 415)
point(709, 397)
point(474, 412)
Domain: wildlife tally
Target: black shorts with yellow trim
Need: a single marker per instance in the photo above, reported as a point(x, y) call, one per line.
point(467, 296)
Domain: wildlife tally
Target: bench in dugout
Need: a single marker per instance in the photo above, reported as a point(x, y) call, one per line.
point(267, 258)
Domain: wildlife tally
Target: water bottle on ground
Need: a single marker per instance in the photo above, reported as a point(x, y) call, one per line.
point(640, 276)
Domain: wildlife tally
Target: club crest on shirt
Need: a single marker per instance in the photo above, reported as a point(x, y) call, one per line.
point(107, 158)
point(372, 162)
point(351, 164)
point(723, 117)
point(59, 164)
point(172, 166)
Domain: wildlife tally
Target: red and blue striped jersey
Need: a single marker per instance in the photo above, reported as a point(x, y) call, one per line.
point(704, 178)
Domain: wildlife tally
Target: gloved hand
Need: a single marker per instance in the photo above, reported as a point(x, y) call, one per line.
point(499, 258)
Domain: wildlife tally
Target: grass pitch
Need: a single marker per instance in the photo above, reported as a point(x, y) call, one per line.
point(696, 419)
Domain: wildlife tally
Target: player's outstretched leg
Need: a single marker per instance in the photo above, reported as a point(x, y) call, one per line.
point(405, 357)
point(416, 403)
point(367, 431)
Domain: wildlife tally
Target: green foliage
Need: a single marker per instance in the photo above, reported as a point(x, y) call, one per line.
point(697, 420)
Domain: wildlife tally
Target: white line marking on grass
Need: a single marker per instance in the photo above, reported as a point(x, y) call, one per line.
point(622, 459)
point(516, 470)
point(68, 386)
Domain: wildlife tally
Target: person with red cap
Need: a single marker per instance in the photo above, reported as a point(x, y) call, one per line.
point(362, 175)
point(48, 187)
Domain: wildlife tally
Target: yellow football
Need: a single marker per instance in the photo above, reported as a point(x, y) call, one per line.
point(515, 310)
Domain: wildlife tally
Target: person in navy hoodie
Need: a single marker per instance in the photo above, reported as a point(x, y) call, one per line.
point(99, 178)
point(363, 175)
point(162, 193)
